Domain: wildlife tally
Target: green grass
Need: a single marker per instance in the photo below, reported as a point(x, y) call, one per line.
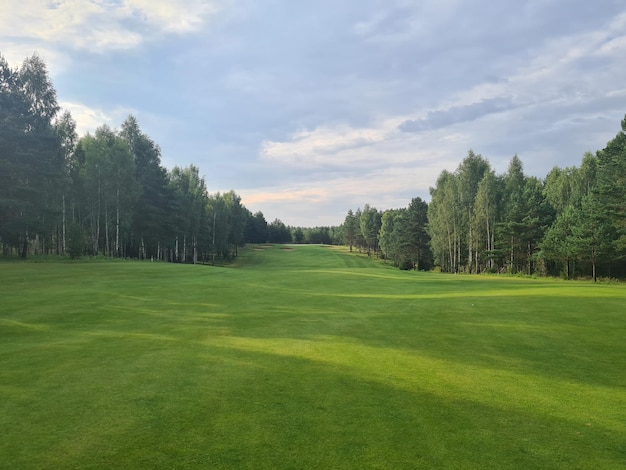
point(308, 357)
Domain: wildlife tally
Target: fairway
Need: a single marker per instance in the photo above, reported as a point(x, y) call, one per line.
point(306, 357)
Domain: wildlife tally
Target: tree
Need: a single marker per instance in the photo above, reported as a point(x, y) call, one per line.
point(191, 199)
point(444, 222)
point(236, 220)
point(109, 176)
point(592, 231)
point(298, 235)
point(559, 188)
point(256, 229)
point(31, 162)
point(485, 217)
point(387, 236)
point(39, 93)
point(611, 181)
point(65, 129)
point(538, 216)
point(151, 221)
point(370, 222)
point(219, 226)
point(514, 210)
point(278, 232)
point(414, 228)
point(559, 244)
point(470, 173)
point(350, 228)
point(76, 241)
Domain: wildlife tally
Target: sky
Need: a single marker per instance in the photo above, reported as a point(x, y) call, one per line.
point(310, 108)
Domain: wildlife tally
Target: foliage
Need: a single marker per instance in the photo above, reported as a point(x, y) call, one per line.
point(31, 158)
point(370, 221)
point(102, 194)
point(76, 241)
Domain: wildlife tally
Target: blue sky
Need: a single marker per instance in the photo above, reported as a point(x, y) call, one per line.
point(308, 109)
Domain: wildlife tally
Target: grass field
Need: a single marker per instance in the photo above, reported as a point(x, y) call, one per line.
point(308, 357)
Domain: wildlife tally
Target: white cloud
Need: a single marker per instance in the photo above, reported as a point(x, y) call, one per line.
point(15, 53)
point(554, 92)
point(176, 17)
point(324, 146)
point(98, 25)
point(88, 118)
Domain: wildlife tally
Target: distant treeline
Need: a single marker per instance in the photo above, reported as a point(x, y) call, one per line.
point(107, 194)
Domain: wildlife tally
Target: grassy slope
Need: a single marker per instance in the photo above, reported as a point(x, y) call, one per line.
point(305, 358)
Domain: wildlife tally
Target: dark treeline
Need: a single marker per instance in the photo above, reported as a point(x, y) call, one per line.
point(572, 223)
point(107, 193)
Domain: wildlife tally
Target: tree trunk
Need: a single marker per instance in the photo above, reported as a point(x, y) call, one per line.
point(492, 246)
point(469, 250)
point(511, 269)
point(593, 264)
point(107, 250)
point(96, 232)
point(117, 224)
point(449, 248)
point(476, 260)
point(63, 244)
point(213, 243)
point(489, 251)
point(25, 246)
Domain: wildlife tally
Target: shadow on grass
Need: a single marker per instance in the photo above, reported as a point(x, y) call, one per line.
point(540, 337)
point(145, 403)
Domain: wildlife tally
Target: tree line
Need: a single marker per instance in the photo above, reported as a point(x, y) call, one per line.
point(106, 193)
point(571, 223)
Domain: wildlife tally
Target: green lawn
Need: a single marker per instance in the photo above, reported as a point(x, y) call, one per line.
point(308, 357)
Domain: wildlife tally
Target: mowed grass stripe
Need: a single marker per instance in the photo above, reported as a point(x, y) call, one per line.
point(306, 357)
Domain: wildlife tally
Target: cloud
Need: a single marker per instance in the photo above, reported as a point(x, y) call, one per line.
point(287, 195)
point(312, 108)
point(326, 202)
point(323, 146)
point(88, 119)
point(456, 114)
point(99, 26)
point(16, 52)
point(174, 17)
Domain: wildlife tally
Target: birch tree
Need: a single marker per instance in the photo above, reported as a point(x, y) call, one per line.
point(191, 212)
point(151, 222)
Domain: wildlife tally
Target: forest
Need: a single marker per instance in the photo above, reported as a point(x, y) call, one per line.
point(570, 224)
point(107, 194)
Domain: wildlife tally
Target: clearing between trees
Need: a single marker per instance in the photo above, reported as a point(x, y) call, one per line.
point(309, 357)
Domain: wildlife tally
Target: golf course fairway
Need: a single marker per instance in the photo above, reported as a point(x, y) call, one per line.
point(306, 357)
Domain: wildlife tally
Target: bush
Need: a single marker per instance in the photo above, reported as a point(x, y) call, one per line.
point(76, 241)
point(406, 265)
